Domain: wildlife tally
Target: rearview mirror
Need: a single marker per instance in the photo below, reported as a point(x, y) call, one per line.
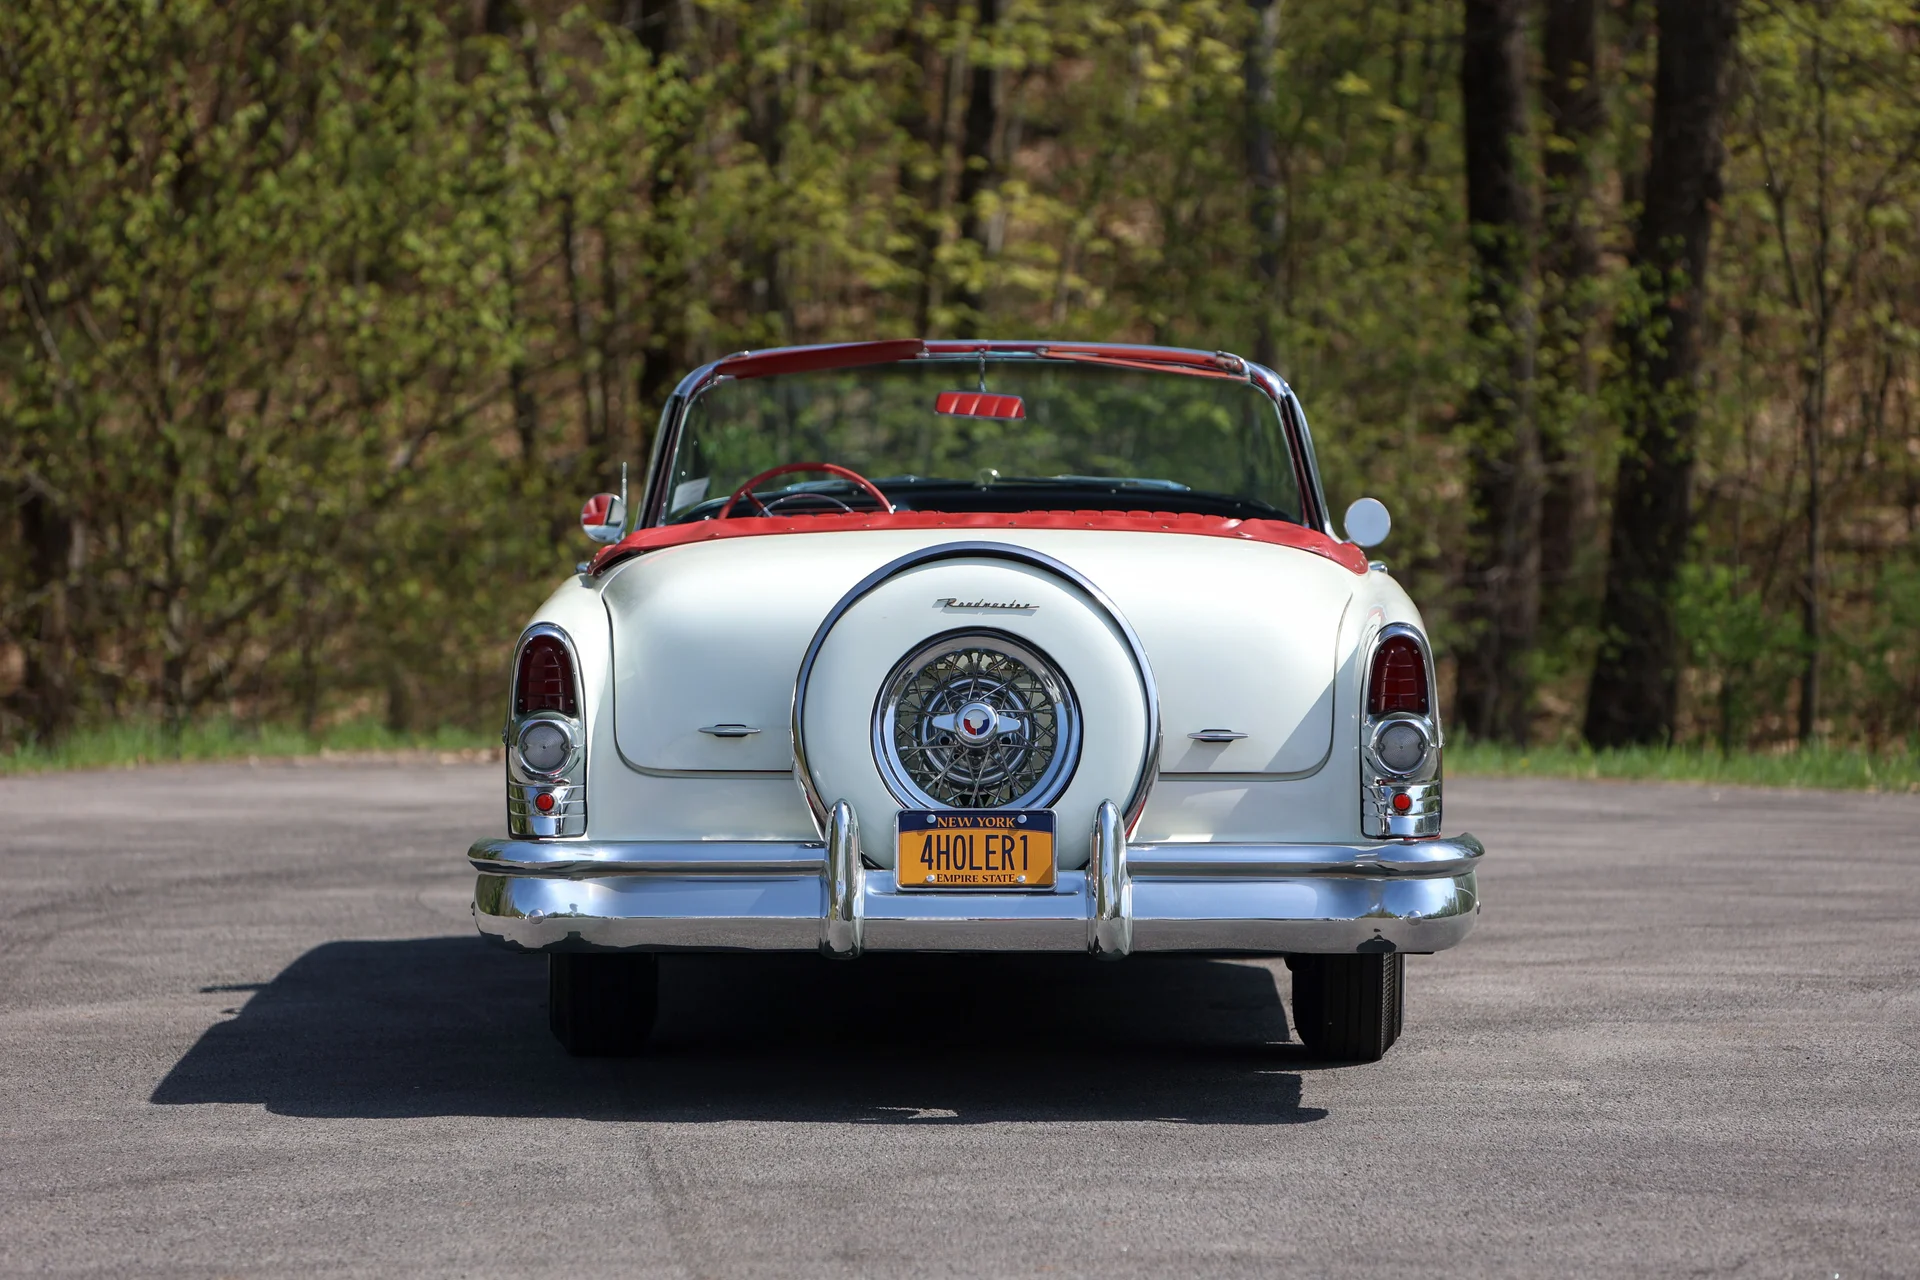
point(604, 517)
point(979, 404)
point(1368, 522)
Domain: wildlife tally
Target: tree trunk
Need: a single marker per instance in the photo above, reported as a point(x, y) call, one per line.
point(651, 21)
point(1570, 261)
point(1263, 172)
point(1635, 680)
point(921, 172)
point(978, 173)
point(1503, 553)
point(1813, 404)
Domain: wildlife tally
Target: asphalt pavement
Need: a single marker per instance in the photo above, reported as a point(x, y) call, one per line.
point(246, 1028)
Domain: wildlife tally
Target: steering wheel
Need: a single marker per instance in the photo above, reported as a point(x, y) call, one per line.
point(845, 473)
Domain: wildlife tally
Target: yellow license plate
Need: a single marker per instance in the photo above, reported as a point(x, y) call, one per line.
point(969, 849)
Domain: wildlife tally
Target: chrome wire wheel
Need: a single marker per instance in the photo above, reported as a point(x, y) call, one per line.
point(976, 720)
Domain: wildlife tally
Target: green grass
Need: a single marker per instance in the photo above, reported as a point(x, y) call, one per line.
point(138, 742)
point(1832, 768)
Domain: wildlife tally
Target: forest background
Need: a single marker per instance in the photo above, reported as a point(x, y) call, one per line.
point(319, 320)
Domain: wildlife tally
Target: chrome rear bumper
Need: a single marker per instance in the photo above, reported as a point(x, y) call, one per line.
point(576, 895)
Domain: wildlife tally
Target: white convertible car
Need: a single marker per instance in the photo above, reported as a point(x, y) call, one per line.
point(978, 646)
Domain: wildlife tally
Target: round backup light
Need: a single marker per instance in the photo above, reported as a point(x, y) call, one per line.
point(544, 746)
point(1400, 746)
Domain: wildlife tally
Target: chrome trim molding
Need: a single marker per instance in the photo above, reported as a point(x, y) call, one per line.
point(1420, 818)
point(843, 875)
point(1136, 802)
point(568, 817)
point(1110, 904)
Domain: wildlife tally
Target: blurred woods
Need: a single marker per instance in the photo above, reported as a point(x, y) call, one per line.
point(318, 321)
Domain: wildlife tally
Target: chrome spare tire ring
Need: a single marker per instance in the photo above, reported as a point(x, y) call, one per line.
point(1144, 771)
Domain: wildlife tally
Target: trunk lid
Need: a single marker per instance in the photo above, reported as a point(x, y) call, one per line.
point(1244, 638)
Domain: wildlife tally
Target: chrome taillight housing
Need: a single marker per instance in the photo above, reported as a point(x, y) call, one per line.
point(1399, 738)
point(546, 738)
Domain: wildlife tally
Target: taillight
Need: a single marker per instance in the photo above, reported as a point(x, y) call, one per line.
point(1399, 678)
point(545, 680)
point(546, 740)
point(1399, 742)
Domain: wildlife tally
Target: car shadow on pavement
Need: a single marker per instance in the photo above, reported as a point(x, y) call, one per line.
point(451, 1026)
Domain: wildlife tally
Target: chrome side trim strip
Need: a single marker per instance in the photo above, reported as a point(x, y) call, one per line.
point(843, 876)
point(1136, 803)
point(1110, 905)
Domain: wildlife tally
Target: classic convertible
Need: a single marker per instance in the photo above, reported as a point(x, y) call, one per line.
point(977, 646)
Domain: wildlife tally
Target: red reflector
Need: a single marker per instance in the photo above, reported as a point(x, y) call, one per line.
point(1399, 680)
point(1401, 802)
point(544, 801)
point(545, 680)
point(978, 404)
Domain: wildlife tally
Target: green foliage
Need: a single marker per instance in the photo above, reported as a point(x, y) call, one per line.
point(1735, 642)
point(316, 324)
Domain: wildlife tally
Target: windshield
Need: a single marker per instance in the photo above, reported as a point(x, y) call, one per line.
point(1091, 437)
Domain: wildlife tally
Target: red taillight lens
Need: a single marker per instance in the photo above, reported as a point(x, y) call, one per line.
point(546, 678)
point(1399, 680)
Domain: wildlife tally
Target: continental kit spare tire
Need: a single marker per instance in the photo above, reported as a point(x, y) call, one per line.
point(975, 676)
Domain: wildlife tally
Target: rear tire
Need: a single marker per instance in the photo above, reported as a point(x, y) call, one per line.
point(602, 1006)
point(1348, 1008)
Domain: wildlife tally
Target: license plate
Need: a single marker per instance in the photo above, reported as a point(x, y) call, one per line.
point(969, 849)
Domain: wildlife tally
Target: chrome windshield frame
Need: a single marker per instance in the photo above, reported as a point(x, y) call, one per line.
point(651, 510)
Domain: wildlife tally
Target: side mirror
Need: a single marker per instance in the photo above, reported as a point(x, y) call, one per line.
point(604, 517)
point(1368, 522)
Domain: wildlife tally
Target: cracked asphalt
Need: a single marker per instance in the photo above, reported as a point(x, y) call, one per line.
point(246, 1028)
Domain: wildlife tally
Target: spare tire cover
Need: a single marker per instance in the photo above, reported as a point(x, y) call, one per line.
point(938, 621)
